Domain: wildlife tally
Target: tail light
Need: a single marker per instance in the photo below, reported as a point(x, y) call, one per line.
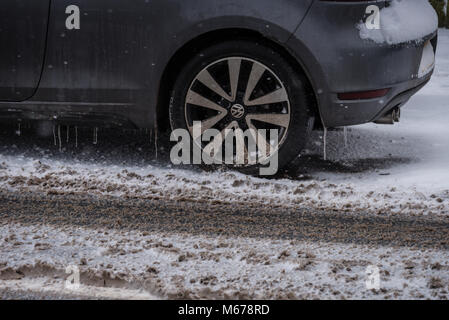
point(362, 95)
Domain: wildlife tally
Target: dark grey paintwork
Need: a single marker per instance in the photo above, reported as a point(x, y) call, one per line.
point(117, 67)
point(337, 60)
point(23, 31)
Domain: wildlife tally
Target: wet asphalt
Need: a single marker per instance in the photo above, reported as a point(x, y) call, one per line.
point(223, 219)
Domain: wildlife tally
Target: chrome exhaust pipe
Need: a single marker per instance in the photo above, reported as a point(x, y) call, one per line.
point(390, 118)
point(397, 114)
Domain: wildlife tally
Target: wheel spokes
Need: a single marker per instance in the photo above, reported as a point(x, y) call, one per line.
point(281, 120)
point(277, 96)
point(268, 110)
point(198, 100)
point(254, 77)
point(206, 125)
point(206, 78)
point(218, 140)
point(263, 146)
point(234, 74)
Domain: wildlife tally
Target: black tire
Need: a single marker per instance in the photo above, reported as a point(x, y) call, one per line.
point(295, 83)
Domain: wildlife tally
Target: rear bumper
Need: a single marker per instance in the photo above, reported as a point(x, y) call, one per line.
point(363, 111)
point(338, 60)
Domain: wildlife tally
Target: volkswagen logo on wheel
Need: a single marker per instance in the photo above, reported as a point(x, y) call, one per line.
point(237, 111)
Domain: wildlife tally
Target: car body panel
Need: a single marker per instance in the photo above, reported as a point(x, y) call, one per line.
point(344, 62)
point(111, 69)
point(23, 31)
point(113, 64)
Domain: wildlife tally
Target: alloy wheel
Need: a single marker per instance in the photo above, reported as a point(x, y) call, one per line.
point(239, 93)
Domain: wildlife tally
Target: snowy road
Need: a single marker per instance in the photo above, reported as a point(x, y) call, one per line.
point(139, 228)
point(158, 249)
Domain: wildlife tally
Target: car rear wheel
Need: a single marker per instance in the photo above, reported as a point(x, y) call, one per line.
point(248, 86)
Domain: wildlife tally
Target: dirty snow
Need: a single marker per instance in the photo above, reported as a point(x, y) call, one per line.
point(401, 169)
point(175, 266)
point(50, 287)
point(403, 21)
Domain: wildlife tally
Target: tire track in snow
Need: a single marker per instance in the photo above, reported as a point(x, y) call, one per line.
point(251, 220)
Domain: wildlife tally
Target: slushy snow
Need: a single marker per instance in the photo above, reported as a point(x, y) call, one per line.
point(214, 267)
point(168, 265)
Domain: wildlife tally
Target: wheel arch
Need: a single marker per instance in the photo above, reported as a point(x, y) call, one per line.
point(188, 50)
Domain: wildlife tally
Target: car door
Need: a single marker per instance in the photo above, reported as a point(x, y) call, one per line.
point(96, 50)
point(23, 32)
